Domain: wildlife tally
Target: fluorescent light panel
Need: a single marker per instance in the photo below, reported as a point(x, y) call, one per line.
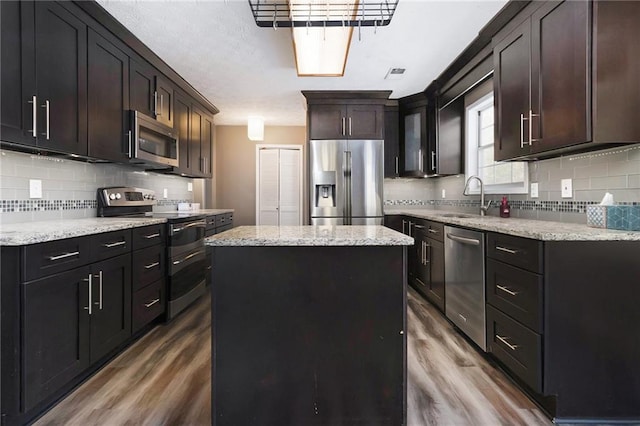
point(322, 51)
point(255, 128)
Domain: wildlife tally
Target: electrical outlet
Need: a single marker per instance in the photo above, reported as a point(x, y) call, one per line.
point(534, 190)
point(444, 193)
point(567, 188)
point(165, 193)
point(189, 186)
point(35, 188)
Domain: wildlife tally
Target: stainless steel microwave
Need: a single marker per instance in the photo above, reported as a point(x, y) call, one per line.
point(151, 143)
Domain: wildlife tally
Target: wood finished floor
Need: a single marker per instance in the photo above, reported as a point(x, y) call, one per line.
point(165, 379)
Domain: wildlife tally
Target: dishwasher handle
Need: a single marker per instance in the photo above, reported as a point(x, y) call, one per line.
point(464, 240)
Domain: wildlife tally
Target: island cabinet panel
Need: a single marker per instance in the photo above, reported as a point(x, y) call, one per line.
point(319, 337)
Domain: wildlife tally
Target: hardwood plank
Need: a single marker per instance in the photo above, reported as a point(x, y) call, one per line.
point(164, 379)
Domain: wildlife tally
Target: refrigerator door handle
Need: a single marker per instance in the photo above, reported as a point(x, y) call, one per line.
point(347, 187)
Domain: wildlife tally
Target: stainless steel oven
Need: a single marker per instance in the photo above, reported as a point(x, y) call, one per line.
point(187, 263)
point(152, 143)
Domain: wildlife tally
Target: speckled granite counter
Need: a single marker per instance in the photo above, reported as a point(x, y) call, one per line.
point(18, 234)
point(310, 236)
point(194, 213)
point(536, 229)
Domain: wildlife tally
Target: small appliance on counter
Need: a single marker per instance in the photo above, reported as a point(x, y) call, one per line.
point(186, 252)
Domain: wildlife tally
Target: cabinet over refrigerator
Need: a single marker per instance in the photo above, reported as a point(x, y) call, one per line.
point(346, 182)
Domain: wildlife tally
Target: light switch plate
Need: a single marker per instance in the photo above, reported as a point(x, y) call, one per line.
point(534, 190)
point(165, 193)
point(35, 188)
point(444, 193)
point(189, 186)
point(567, 188)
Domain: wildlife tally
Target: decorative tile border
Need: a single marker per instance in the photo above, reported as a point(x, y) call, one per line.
point(535, 205)
point(15, 206)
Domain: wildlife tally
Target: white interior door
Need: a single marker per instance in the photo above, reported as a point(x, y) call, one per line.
point(279, 186)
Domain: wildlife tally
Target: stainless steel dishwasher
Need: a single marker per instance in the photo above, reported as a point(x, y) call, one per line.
point(464, 282)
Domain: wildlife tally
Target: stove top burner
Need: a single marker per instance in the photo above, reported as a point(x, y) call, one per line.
point(121, 201)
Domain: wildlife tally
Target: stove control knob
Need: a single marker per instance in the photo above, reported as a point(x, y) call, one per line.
point(152, 197)
point(112, 196)
point(118, 196)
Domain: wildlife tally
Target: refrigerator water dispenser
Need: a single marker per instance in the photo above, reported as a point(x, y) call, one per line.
point(326, 195)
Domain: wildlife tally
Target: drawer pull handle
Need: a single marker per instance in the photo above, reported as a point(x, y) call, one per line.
point(116, 244)
point(150, 304)
point(433, 231)
point(152, 265)
point(64, 256)
point(504, 340)
point(463, 240)
point(506, 250)
point(506, 290)
point(418, 226)
point(177, 262)
point(148, 237)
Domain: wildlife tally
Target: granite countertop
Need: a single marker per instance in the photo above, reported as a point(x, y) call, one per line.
point(19, 234)
point(353, 235)
point(193, 213)
point(535, 229)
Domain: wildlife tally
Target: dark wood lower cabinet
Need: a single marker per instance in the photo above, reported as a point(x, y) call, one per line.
point(111, 298)
point(55, 333)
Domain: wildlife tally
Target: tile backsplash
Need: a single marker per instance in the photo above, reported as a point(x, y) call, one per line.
point(615, 170)
point(69, 187)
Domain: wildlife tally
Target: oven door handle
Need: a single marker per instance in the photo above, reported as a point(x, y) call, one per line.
point(184, 259)
point(200, 223)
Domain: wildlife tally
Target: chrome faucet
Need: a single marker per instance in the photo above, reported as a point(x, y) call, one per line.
point(483, 208)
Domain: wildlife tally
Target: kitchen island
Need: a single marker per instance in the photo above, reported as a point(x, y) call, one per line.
point(309, 325)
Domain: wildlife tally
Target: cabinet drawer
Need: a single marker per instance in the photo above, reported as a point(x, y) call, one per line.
point(224, 228)
point(148, 304)
point(224, 219)
point(148, 236)
point(435, 230)
point(211, 222)
point(515, 292)
point(521, 252)
point(148, 266)
point(519, 348)
point(109, 244)
point(55, 256)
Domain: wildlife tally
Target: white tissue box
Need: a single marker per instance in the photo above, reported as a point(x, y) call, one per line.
point(597, 216)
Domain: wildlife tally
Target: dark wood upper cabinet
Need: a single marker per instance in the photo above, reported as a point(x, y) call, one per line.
point(164, 100)
point(512, 64)
point(346, 114)
point(365, 121)
point(182, 125)
point(391, 142)
point(566, 79)
point(108, 90)
point(205, 146)
point(142, 87)
point(195, 140)
point(413, 141)
point(17, 72)
point(61, 78)
point(44, 77)
point(446, 152)
point(327, 122)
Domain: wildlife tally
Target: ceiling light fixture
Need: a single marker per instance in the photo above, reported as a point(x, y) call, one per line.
point(255, 128)
point(322, 29)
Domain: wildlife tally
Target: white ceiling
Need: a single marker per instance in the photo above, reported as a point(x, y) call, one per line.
point(247, 70)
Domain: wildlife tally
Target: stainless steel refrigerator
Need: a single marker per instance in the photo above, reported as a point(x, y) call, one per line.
point(346, 182)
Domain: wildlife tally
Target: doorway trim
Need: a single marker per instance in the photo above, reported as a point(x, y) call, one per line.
point(301, 177)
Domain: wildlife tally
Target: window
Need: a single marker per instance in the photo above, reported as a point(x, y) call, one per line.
point(498, 177)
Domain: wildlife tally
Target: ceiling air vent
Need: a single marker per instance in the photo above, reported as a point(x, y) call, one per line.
point(395, 74)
